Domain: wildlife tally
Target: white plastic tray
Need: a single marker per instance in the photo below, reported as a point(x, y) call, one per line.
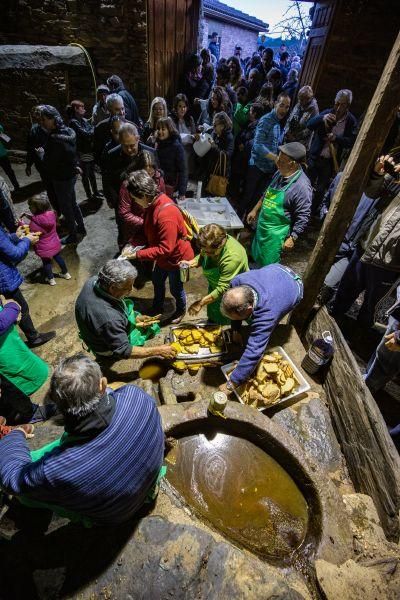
point(303, 387)
point(214, 210)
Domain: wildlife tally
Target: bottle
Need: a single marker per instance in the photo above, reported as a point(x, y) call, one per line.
point(198, 192)
point(319, 353)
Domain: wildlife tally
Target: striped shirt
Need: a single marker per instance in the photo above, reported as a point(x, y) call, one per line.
point(106, 478)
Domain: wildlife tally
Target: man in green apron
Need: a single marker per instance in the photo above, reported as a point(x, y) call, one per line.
point(107, 322)
point(222, 258)
point(284, 210)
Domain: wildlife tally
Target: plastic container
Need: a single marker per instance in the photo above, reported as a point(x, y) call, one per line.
point(319, 353)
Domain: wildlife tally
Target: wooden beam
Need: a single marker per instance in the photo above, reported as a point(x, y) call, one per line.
point(371, 457)
point(374, 130)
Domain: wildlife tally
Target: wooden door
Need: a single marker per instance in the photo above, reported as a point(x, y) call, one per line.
point(322, 22)
point(172, 36)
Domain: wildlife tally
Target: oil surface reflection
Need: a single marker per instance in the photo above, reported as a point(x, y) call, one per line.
point(240, 490)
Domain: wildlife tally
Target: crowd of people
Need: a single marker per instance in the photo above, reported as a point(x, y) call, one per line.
point(277, 159)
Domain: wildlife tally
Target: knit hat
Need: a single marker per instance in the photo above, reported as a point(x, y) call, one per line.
point(103, 88)
point(52, 113)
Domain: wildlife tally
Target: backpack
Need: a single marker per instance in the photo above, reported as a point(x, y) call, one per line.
point(191, 224)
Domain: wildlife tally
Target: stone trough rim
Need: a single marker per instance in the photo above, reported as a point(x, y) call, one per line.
point(328, 536)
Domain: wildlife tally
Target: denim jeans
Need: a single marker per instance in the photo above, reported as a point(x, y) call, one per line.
point(384, 364)
point(175, 286)
point(48, 271)
point(65, 192)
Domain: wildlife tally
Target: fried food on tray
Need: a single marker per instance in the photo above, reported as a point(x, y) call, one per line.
point(191, 340)
point(274, 379)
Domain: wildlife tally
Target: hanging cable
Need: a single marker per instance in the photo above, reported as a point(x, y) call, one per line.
point(86, 53)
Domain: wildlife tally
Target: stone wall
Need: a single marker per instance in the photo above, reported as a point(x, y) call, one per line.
point(231, 35)
point(114, 32)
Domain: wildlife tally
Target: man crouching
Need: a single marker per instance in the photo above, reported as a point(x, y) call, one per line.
point(107, 461)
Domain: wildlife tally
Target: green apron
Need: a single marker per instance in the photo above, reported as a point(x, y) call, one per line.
point(211, 273)
point(273, 225)
point(138, 336)
point(19, 364)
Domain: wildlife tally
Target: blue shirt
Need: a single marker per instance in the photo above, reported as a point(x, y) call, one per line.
point(278, 293)
point(106, 478)
point(266, 139)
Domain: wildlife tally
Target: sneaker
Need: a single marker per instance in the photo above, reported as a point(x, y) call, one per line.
point(65, 275)
point(41, 339)
point(51, 281)
point(43, 413)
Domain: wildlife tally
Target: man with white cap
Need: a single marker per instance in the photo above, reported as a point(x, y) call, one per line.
point(284, 210)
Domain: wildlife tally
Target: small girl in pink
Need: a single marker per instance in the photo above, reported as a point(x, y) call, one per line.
point(43, 220)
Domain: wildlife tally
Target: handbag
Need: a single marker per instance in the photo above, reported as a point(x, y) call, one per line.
point(203, 144)
point(218, 181)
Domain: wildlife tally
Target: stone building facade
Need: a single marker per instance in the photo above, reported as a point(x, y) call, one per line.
point(114, 32)
point(233, 27)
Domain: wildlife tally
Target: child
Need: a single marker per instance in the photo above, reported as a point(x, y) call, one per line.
point(43, 220)
point(171, 157)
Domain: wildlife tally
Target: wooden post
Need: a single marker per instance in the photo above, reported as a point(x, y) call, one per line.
point(373, 132)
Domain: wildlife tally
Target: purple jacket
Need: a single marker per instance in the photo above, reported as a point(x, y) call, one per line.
point(49, 243)
point(8, 316)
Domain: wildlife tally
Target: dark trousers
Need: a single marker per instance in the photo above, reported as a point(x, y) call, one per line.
point(256, 183)
point(15, 406)
point(362, 277)
point(25, 323)
point(175, 286)
point(89, 178)
point(48, 271)
point(6, 214)
point(320, 174)
point(6, 165)
point(65, 192)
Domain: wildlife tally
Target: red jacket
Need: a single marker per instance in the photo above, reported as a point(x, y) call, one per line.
point(165, 231)
point(132, 214)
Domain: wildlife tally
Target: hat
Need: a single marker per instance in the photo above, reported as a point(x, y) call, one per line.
point(103, 88)
point(294, 150)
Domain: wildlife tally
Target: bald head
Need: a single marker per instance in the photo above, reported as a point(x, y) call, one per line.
point(238, 302)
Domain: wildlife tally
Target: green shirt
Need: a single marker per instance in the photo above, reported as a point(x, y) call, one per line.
point(232, 261)
point(240, 117)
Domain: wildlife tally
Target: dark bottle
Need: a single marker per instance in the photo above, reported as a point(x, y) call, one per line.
point(319, 353)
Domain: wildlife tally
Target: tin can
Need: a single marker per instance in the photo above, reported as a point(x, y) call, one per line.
point(218, 402)
point(184, 273)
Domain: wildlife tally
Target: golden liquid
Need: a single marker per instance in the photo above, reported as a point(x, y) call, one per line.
point(153, 370)
point(240, 490)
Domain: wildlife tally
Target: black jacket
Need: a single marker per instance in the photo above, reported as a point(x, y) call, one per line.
point(224, 144)
point(37, 138)
point(113, 165)
point(346, 140)
point(102, 322)
point(131, 110)
point(84, 135)
point(102, 135)
point(171, 156)
point(60, 158)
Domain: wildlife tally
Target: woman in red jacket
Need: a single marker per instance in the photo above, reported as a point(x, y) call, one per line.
point(165, 232)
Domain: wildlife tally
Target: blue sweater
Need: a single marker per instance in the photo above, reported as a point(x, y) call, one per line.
point(278, 293)
point(12, 251)
point(266, 139)
point(106, 478)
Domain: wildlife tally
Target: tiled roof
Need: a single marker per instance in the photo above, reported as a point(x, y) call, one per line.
point(227, 13)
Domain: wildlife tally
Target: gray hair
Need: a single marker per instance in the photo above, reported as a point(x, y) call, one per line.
point(116, 272)
point(237, 300)
point(112, 98)
point(293, 75)
point(127, 128)
point(348, 94)
point(75, 385)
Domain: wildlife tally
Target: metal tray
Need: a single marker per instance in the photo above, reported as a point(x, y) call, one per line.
point(204, 354)
point(303, 387)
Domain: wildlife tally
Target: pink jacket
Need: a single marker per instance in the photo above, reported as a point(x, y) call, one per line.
point(49, 243)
